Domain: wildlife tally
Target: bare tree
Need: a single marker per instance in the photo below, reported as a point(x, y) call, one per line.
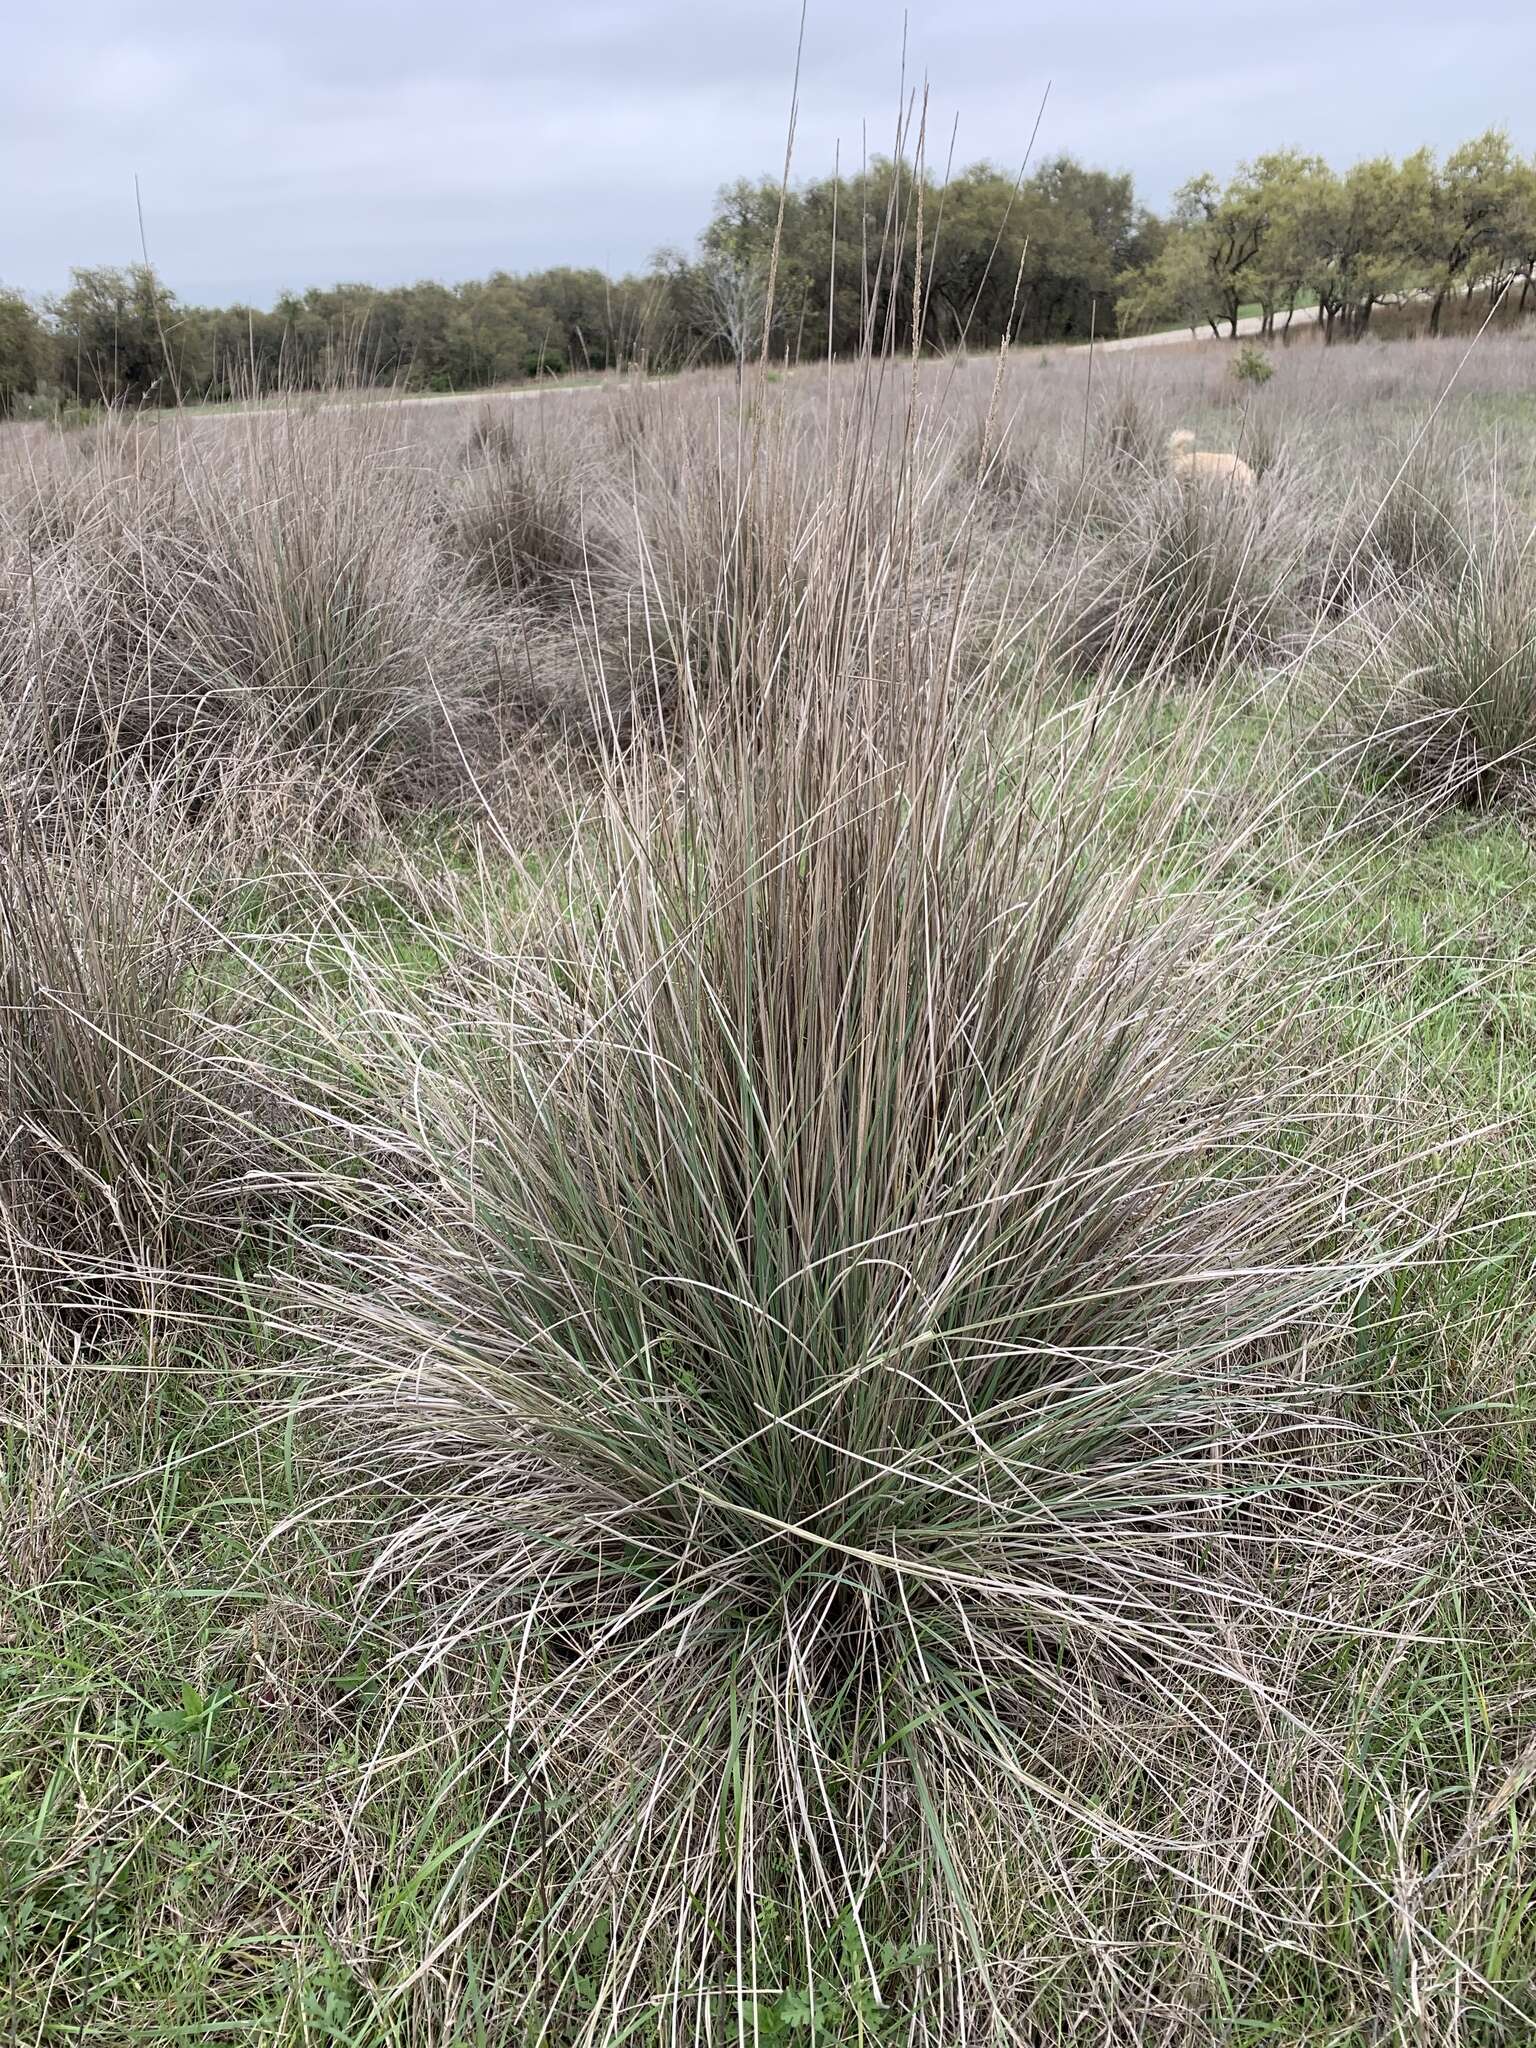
point(732, 295)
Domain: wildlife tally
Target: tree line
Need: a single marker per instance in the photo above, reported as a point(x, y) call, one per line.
point(837, 263)
point(1287, 231)
point(122, 336)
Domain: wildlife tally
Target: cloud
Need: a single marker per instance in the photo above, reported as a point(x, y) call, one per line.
point(310, 143)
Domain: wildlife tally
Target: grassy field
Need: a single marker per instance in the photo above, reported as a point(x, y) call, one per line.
point(766, 1214)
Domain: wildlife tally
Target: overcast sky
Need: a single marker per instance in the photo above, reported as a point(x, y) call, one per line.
point(305, 141)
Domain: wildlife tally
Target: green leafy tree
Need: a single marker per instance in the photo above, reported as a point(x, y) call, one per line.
point(1039, 258)
point(1175, 289)
point(1056, 256)
point(1209, 263)
point(23, 350)
point(1362, 244)
point(1519, 252)
point(231, 351)
point(116, 334)
point(1083, 236)
point(1229, 227)
point(1474, 208)
point(1288, 195)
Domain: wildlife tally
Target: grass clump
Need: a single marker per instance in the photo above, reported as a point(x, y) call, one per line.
point(1408, 529)
point(347, 637)
point(1181, 584)
point(725, 581)
point(855, 1340)
point(517, 518)
point(1440, 703)
point(817, 1396)
point(119, 1160)
point(199, 620)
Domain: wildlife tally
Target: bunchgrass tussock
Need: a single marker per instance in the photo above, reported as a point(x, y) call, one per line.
point(1407, 527)
point(724, 571)
point(857, 1337)
point(100, 649)
point(118, 1154)
point(348, 636)
point(517, 516)
point(1184, 584)
point(1439, 699)
point(1129, 438)
point(291, 602)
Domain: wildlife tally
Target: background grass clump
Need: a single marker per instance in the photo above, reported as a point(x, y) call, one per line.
point(1443, 696)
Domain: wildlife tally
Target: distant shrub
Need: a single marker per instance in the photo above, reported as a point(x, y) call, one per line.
point(545, 362)
point(1252, 366)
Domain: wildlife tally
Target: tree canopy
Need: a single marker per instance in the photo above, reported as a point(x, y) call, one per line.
point(23, 350)
point(1287, 230)
point(888, 254)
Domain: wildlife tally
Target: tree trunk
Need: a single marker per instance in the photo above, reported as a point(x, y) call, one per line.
point(1525, 290)
point(1434, 312)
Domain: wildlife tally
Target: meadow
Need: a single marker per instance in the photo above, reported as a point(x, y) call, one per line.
point(765, 1211)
